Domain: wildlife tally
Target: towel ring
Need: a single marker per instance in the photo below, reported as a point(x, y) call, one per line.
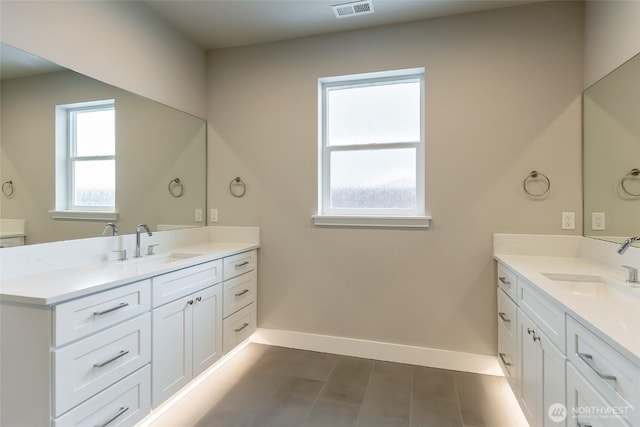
point(633, 174)
point(237, 187)
point(7, 188)
point(176, 188)
point(534, 176)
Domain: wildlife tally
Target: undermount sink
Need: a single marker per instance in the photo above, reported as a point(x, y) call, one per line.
point(585, 285)
point(152, 262)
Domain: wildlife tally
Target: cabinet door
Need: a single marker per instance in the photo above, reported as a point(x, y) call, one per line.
point(530, 358)
point(554, 381)
point(172, 348)
point(207, 328)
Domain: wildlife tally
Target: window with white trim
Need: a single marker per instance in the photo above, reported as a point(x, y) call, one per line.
point(86, 157)
point(371, 157)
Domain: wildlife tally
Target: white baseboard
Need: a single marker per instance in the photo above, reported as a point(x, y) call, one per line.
point(443, 359)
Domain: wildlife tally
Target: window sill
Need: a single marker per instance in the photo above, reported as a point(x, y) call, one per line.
point(85, 215)
point(371, 221)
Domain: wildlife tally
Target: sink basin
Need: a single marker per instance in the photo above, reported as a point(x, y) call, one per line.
point(149, 263)
point(584, 285)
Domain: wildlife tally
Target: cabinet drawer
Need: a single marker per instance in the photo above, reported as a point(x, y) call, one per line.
point(239, 292)
point(547, 314)
point(123, 404)
point(84, 316)
point(238, 327)
point(86, 367)
point(239, 264)
point(508, 316)
point(507, 356)
point(587, 407)
point(507, 280)
point(171, 286)
point(613, 375)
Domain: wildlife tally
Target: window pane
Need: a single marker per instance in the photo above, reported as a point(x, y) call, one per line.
point(374, 114)
point(373, 179)
point(95, 133)
point(95, 183)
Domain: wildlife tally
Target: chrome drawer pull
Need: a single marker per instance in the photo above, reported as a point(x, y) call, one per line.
point(241, 327)
point(504, 281)
point(584, 425)
point(529, 331)
point(588, 359)
point(112, 419)
point(504, 317)
point(199, 299)
point(242, 264)
point(502, 355)
point(109, 310)
point(239, 294)
point(113, 359)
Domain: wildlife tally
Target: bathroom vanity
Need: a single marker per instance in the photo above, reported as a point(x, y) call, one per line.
point(568, 332)
point(106, 342)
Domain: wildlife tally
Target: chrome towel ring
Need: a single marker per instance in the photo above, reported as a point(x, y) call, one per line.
point(237, 187)
point(7, 188)
point(533, 177)
point(176, 188)
point(633, 174)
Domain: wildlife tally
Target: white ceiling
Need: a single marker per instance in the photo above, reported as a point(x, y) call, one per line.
point(214, 24)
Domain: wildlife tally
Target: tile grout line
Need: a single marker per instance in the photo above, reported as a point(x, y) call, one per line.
point(315, 402)
point(365, 391)
point(413, 378)
point(455, 386)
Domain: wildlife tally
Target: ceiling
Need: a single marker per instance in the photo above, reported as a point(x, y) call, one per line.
point(214, 24)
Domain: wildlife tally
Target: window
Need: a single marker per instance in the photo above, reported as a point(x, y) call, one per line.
point(371, 150)
point(85, 160)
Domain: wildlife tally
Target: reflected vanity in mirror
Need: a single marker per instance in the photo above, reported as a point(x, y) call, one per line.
point(160, 155)
point(611, 154)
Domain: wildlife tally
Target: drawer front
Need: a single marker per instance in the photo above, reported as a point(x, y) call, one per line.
point(86, 367)
point(8, 242)
point(508, 317)
point(612, 374)
point(123, 404)
point(508, 357)
point(84, 316)
point(238, 327)
point(507, 280)
point(239, 292)
point(239, 264)
point(544, 311)
point(587, 407)
point(177, 284)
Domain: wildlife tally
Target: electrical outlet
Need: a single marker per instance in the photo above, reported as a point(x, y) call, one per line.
point(568, 220)
point(198, 215)
point(214, 215)
point(597, 221)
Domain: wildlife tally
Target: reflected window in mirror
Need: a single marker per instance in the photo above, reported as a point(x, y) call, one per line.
point(85, 149)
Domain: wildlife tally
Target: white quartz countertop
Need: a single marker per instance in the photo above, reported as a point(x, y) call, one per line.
point(615, 316)
point(61, 285)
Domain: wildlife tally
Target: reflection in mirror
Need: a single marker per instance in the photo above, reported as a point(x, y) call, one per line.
point(154, 146)
point(611, 153)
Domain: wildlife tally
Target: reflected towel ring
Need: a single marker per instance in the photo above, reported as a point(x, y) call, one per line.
point(237, 188)
point(7, 188)
point(633, 174)
point(176, 188)
point(536, 176)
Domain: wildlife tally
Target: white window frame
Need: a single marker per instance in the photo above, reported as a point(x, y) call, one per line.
point(66, 145)
point(326, 216)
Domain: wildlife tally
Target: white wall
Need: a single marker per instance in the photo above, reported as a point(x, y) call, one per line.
point(503, 98)
point(118, 42)
point(612, 36)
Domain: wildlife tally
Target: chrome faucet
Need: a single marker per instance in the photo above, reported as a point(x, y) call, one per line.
point(632, 275)
point(625, 245)
point(138, 228)
point(114, 229)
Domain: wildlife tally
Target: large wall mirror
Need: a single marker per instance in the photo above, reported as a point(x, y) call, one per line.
point(611, 154)
point(160, 153)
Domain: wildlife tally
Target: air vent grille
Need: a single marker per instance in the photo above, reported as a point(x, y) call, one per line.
point(345, 10)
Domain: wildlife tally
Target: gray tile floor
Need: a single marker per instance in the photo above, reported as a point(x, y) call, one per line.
point(281, 387)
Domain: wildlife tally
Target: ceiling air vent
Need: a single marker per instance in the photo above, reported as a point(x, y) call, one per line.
point(353, 8)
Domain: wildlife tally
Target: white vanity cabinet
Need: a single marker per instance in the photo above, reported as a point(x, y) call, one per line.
point(240, 291)
point(533, 362)
point(187, 331)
